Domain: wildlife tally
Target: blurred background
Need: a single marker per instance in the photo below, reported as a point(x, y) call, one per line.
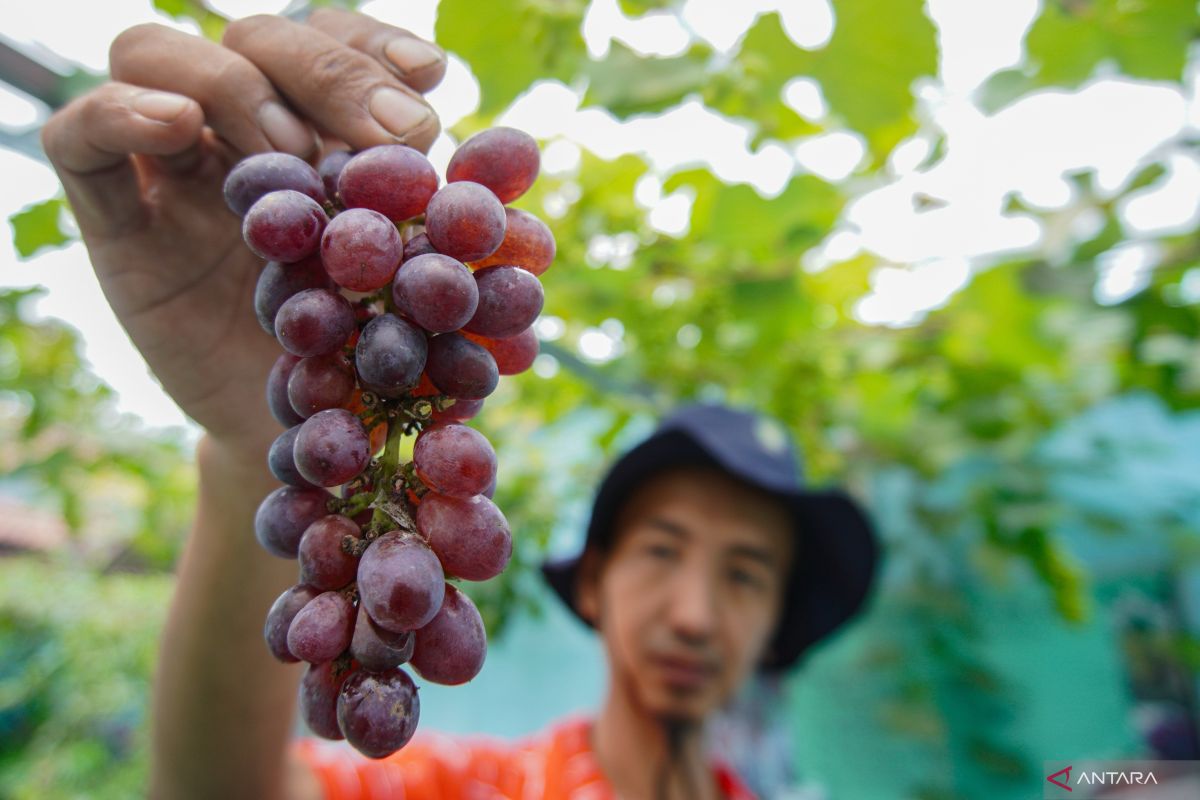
point(952, 245)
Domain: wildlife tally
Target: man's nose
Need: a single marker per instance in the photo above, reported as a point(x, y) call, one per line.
point(692, 610)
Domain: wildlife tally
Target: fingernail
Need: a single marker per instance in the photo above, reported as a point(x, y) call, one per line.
point(284, 131)
point(410, 54)
point(159, 106)
point(397, 112)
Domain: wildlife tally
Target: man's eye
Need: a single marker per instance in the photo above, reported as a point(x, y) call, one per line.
point(661, 551)
point(744, 578)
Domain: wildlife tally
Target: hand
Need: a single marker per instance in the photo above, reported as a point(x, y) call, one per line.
point(144, 157)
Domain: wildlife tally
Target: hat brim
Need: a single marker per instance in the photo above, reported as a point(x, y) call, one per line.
point(830, 577)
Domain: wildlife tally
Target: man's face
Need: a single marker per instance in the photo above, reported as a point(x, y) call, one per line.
point(690, 593)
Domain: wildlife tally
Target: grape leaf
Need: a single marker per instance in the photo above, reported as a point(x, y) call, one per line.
point(628, 84)
point(39, 226)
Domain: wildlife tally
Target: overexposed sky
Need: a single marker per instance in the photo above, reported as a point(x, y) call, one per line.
point(1108, 125)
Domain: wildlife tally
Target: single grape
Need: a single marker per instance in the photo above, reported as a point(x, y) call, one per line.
point(319, 690)
point(418, 246)
point(279, 281)
point(400, 581)
point(465, 221)
point(470, 536)
point(361, 249)
point(322, 629)
point(527, 244)
point(281, 462)
point(314, 322)
point(280, 617)
point(283, 516)
point(458, 411)
point(450, 650)
point(510, 299)
point(284, 226)
point(320, 383)
point(330, 169)
point(277, 391)
point(437, 292)
point(324, 562)
point(377, 712)
point(513, 355)
point(378, 649)
point(257, 175)
point(393, 179)
point(332, 447)
point(504, 160)
point(460, 368)
point(390, 355)
point(454, 459)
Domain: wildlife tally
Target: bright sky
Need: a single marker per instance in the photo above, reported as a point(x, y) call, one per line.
point(1111, 126)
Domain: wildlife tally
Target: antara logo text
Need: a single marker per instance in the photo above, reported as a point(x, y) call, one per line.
point(1106, 778)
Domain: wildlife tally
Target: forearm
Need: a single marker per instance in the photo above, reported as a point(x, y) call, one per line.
point(222, 706)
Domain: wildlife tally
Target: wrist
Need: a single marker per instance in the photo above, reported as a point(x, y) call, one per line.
point(237, 467)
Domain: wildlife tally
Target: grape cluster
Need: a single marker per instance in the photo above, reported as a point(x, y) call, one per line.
point(398, 305)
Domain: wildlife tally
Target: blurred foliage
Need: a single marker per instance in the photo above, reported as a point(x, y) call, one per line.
point(951, 426)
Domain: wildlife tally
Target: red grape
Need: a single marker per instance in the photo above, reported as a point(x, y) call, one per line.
point(314, 322)
point(528, 244)
point(510, 299)
point(377, 712)
point(319, 383)
point(450, 650)
point(319, 692)
point(279, 281)
point(400, 581)
point(393, 179)
point(435, 291)
point(465, 221)
point(454, 459)
point(361, 249)
point(459, 411)
point(378, 649)
point(390, 355)
point(324, 562)
point(460, 368)
point(281, 462)
point(504, 160)
point(470, 537)
point(332, 447)
point(330, 169)
point(261, 174)
point(280, 617)
point(322, 629)
point(418, 246)
point(284, 226)
point(513, 355)
point(277, 391)
point(283, 516)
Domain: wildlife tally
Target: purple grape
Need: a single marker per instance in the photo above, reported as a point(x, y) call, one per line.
point(390, 355)
point(277, 391)
point(393, 179)
point(510, 299)
point(466, 221)
point(377, 649)
point(454, 459)
point(470, 537)
point(513, 355)
point(332, 447)
point(330, 169)
point(283, 516)
point(377, 712)
point(400, 581)
point(280, 617)
point(314, 322)
point(324, 562)
point(450, 650)
point(437, 292)
point(528, 244)
point(361, 249)
point(460, 368)
point(279, 281)
point(320, 383)
point(284, 226)
point(459, 411)
point(319, 691)
point(322, 629)
point(281, 462)
point(504, 160)
point(261, 174)
point(418, 246)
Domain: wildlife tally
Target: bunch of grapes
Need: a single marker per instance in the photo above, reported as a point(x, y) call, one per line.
point(399, 305)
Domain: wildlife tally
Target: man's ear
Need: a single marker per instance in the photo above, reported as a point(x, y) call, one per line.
point(587, 587)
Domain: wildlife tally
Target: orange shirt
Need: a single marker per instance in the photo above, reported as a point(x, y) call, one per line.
point(556, 764)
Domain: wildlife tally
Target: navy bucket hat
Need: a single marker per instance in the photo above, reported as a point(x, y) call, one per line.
point(838, 550)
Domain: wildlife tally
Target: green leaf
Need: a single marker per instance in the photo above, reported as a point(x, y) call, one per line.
point(39, 226)
point(635, 8)
point(212, 24)
point(510, 45)
point(628, 84)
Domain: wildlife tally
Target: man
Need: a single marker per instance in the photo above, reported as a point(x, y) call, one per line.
point(705, 557)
